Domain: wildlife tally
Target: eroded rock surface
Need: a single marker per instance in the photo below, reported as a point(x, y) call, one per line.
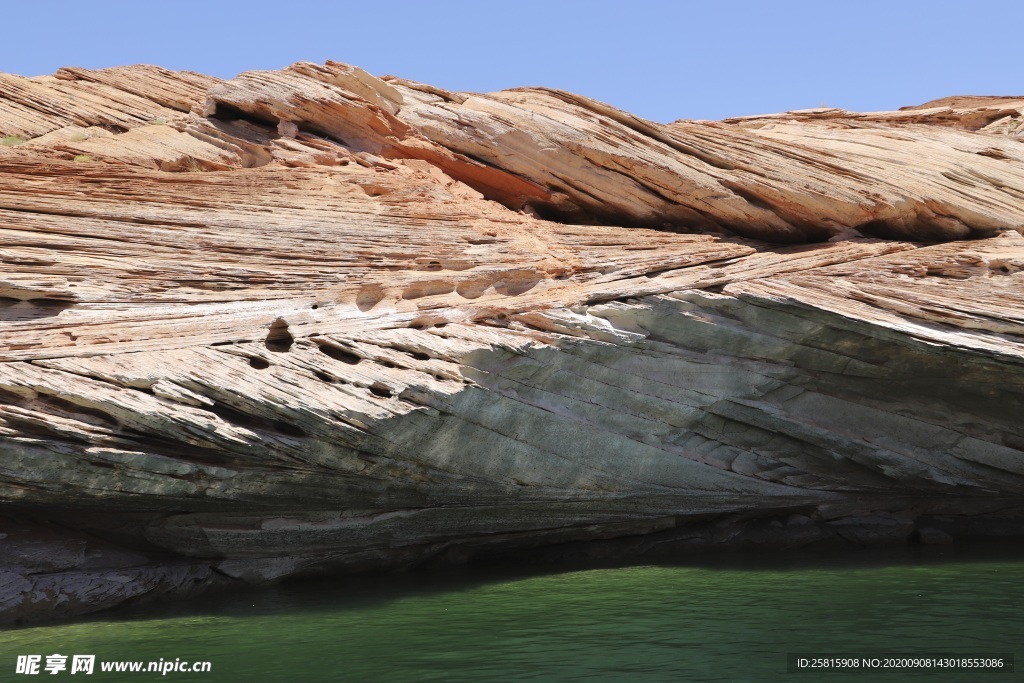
point(313, 320)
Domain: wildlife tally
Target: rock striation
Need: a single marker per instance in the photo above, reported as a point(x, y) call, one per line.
point(312, 320)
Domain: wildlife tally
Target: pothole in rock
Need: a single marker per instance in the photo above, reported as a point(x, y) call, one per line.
point(517, 282)
point(279, 340)
point(369, 296)
point(419, 290)
point(340, 354)
point(381, 391)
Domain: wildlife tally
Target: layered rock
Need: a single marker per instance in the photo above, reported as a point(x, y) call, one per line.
point(313, 320)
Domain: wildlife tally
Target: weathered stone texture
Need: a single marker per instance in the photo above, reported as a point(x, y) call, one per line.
point(314, 320)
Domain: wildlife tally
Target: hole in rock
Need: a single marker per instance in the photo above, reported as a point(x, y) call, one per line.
point(323, 377)
point(993, 153)
point(418, 355)
point(11, 398)
point(340, 354)
point(16, 309)
point(472, 289)
point(375, 190)
point(1001, 267)
point(83, 413)
point(918, 230)
point(225, 112)
point(279, 340)
point(258, 363)
point(288, 429)
point(517, 282)
point(426, 322)
point(229, 414)
point(51, 304)
point(655, 273)
point(238, 417)
point(430, 288)
point(369, 296)
point(381, 392)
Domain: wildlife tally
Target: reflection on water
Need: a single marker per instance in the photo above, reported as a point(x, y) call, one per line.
point(729, 621)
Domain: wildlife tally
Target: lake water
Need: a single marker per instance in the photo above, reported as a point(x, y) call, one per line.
point(725, 621)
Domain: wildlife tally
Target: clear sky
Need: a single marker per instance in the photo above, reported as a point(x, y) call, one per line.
point(660, 59)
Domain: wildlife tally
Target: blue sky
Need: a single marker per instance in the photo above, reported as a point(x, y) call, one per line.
point(660, 59)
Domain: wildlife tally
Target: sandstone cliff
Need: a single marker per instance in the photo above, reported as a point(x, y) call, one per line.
point(313, 320)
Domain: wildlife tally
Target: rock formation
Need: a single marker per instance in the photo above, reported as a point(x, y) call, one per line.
point(312, 320)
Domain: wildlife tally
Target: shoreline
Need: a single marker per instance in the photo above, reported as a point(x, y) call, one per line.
point(795, 532)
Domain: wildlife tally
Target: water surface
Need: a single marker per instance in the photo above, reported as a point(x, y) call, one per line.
point(728, 621)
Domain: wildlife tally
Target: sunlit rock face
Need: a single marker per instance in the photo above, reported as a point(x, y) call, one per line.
point(313, 320)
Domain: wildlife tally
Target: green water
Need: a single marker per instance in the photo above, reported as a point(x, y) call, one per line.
point(726, 622)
